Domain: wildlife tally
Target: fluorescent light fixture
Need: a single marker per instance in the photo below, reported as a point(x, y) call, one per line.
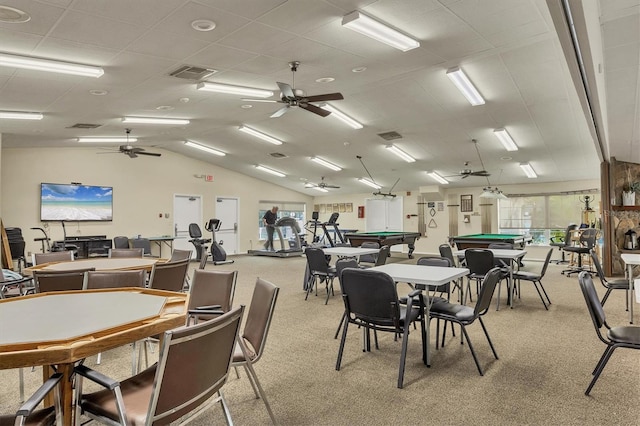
point(336, 113)
point(370, 183)
point(506, 139)
point(465, 86)
point(438, 177)
point(106, 139)
point(271, 171)
point(154, 120)
point(369, 27)
point(204, 148)
point(17, 115)
point(257, 134)
point(317, 188)
point(326, 164)
point(28, 63)
point(235, 90)
point(528, 170)
point(400, 153)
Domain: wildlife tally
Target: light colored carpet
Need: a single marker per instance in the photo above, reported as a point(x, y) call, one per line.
point(546, 359)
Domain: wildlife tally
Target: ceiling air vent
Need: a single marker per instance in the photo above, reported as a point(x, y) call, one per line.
point(277, 155)
point(84, 126)
point(389, 136)
point(192, 73)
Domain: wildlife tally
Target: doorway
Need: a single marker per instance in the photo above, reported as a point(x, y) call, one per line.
point(227, 213)
point(186, 209)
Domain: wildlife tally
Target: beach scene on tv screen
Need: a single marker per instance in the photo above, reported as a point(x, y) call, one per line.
point(76, 202)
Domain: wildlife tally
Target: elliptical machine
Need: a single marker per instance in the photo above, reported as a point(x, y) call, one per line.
point(218, 254)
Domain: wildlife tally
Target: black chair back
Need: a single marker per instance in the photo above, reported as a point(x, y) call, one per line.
point(479, 261)
point(121, 242)
point(596, 263)
point(383, 254)
point(142, 243)
point(342, 264)
point(546, 263)
point(369, 258)
point(489, 283)
point(434, 261)
point(593, 302)
point(194, 230)
point(569, 233)
point(445, 251)
point(370, 296)
point(588, 238)
point(316, 260)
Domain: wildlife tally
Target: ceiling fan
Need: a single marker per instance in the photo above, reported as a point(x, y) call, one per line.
point(469, 172)
point(322, 184)
point(132, 151)
point(293, 98)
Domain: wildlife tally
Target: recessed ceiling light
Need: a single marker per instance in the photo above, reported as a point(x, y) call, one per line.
point(184, 100)
point(13, 16)
point(98, 92)
point(246, 106)
point(203, 25)
point(164, 108)
point(325, 80)
point(358, 69)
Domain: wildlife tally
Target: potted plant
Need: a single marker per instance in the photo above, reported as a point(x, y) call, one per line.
point(629, 190)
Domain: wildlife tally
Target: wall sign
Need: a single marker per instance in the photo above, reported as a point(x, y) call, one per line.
point(466, 203)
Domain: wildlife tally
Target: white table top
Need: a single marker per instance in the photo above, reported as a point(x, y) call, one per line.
point(350, 251)
point(499, 253)
point(631, 258)
point(421, 274)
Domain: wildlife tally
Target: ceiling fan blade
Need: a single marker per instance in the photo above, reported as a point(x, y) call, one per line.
point(131, 154)
point(332, 186)
point(286, 90)
point(280, 112)
point(482, 173)
point(325, 97)
point(152, 154)
point(261, 100)
point(314, 109)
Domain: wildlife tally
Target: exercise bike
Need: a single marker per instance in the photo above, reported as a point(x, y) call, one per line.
point(218, 254)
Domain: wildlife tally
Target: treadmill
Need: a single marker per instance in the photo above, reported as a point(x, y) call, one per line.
point(288, 248)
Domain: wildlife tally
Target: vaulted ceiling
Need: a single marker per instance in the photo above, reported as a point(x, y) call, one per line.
point(508, 48)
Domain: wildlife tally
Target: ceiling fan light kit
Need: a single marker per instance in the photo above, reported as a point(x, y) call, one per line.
point(204, 148)
point(335, 112)
point(400, 153)
point(439, 178)
point(18, 115)
point(154, 120)
point(29, 63)
point(369, 183)
point(270, 171)
point(495, 193)
point(505, 138)
point(234, 90)
point(528, 170)
point(465, 86)
point(326, 164)
point(365, 25)
point(260, 135)
point(106, 139)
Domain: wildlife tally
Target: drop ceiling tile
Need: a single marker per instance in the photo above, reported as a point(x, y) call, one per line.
point(256, 37)
point(301, 16)
point(43, 17)
point(251, 9)
point(220, 57)
point(71, 51)
point(623, 56)
point(167, 45)
point(621, 31)
point(180, 21)
point(144, 13)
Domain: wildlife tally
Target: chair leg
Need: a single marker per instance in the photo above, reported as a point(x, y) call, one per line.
point(251, 373)
point(473, 352)
point(21, 384)
point(403, 355)
point(312, 282)
point(341, 349)
point(340, 325)
point(250, 377)
point(225, 409)
point(99, 358)
point(535, 284)
point(600, 360)
point(606, 296)
point(488, 338)
point(438, 331)
point(545, 293)
point(600, 367)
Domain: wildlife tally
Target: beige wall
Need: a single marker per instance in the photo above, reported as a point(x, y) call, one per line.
point(142, 189)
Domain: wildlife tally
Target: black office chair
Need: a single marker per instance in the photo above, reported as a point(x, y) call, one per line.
point(120, 242)
point(142, 243)
point(562, 242)
point(371, 301)
point(610, 285)
point(617, 337)
point(465, 316)
point(586, 243)
point(16, 246)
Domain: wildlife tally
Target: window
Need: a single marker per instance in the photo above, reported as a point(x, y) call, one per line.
point(544, 216)
point(285, 209)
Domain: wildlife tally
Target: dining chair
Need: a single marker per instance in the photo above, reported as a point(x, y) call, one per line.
point(319, 270)
point(142, 243)
point(465, 315)
point(211, 290)
point(478, 262)
point(252, 340)
point(178, 254)
point(536, 279)
point(445, 251)
point(371, 301)
point(126, 252)
point(341, 265)
point(169, 276)
point(616, 337)
point(46, 281)
point(121, 242)
point(27, 414)
point(168, 390)
point(54, 256)
point(369, 258)
point(114, 279)
point(612, 284)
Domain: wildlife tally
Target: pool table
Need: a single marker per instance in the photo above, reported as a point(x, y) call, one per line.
point(483, 240)
point(384, 238)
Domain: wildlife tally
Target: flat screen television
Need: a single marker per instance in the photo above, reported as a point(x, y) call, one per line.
point(70, 202)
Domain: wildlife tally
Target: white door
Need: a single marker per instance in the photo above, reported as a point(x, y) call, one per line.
point(227, 213)
point(186, 209)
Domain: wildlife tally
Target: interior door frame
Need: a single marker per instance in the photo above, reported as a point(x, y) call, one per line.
point(237, 233)
point(200, 213)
